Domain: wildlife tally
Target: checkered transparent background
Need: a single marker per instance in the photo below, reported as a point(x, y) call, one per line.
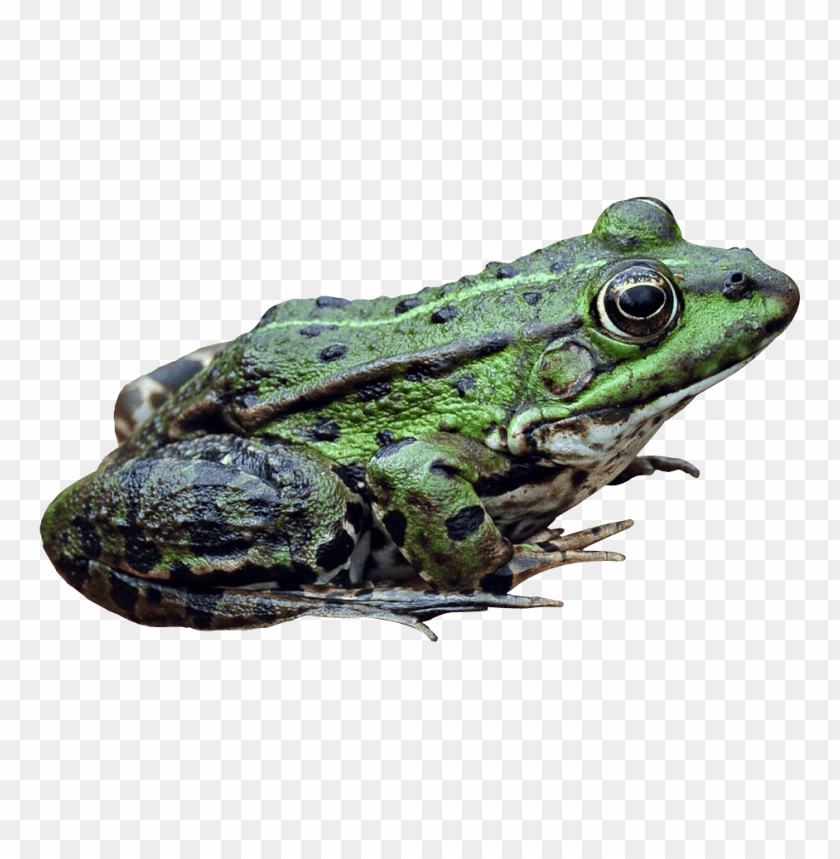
point(170, 170)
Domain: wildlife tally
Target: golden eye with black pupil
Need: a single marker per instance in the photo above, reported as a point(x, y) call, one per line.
point(641, 302)
point(638, 303)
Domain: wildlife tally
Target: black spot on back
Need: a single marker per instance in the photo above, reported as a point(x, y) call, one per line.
point(315, 330)
point(331, 301)
point(532, 297)
point(445, 314)
point(373, 391)
point(506, 271)
point(465, 522)
point(332, 353)
point(384, 437)
point(268, 315)
point(407, 304)
point(579, 477)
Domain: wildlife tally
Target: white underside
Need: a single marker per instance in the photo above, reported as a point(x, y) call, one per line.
point(589, 443)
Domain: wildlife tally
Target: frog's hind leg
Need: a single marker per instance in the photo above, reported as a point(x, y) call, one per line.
point(151, 602)
point(144, 396)
point(217, 521)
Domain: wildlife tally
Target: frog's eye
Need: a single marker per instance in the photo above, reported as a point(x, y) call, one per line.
point(637, 304)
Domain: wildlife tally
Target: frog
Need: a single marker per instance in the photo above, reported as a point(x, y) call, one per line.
point(404, 457)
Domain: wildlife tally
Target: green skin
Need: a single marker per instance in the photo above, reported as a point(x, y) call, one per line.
point(412, 449)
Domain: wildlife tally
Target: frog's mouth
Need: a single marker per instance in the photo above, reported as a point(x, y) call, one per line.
point(616, 431)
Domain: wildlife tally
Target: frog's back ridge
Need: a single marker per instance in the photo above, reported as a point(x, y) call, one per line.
point(306, 354)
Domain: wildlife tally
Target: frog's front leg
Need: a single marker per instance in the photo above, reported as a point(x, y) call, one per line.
point(644, 465)
point(422, 490)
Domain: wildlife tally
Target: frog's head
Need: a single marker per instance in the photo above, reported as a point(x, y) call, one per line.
point(660, 320)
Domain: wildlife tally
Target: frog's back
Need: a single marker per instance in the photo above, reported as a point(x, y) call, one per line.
point(320, 370)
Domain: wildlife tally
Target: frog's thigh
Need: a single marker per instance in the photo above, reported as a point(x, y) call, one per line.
point(433, 514)
point(262, 515)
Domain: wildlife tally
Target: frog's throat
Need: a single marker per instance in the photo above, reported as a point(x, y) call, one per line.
point(590, 437)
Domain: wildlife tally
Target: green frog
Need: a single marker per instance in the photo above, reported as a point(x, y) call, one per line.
point(404, 457)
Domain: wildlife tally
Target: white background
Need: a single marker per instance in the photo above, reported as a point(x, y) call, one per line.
point(168, 172)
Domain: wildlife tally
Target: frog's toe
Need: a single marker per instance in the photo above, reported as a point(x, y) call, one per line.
point(580, 539)
point(670, 463)
point(535, 557)
point(642, 466)
point(546, 536)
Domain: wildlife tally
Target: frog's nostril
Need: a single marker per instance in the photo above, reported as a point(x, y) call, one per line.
point(737, 285)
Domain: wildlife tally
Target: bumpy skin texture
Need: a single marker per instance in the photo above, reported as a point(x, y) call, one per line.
point(404, 457)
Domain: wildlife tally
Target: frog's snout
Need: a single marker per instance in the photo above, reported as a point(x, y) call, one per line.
point(791, 294)
point(785, 291)
point(778, 287)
